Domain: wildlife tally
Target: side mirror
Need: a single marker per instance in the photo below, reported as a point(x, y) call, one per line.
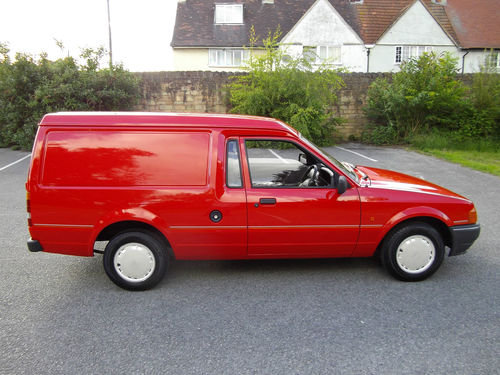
point(303, 159)
point(342, 185)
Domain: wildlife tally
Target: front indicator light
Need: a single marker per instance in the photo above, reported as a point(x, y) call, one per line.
point(473, 216)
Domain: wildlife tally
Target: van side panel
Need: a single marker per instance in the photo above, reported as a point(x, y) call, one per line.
point(124, 158)
point(88, 177)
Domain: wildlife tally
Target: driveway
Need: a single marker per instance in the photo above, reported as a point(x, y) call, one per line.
point(60, 314)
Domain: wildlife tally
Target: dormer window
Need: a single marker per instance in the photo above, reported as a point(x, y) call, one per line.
point(228, 13)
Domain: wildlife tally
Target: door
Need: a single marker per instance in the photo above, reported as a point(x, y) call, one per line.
point(294, 209)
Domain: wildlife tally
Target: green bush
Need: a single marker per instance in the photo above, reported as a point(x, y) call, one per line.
point(289, 89)
point(30, 88)
point(425, 94)
point(485, 99)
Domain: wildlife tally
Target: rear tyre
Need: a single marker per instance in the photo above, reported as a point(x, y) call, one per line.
point(135, 260)
point(412, 252)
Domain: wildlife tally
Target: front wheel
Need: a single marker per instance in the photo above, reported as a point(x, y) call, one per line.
point(413, 252)
point(135, 260)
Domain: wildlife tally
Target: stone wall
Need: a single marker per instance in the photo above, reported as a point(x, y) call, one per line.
point(205, 92)
point(184, 92)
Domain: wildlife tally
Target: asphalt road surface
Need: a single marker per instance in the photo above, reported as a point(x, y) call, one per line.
point(61, 315)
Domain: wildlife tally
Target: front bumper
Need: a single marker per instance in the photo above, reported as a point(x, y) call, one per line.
point(462, 237)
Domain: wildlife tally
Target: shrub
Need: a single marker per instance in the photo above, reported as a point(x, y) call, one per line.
point(30, 88)
point(425, 94)
point(485, 98)
point(287, 88)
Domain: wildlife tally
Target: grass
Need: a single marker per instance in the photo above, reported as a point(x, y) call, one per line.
point(480, 154)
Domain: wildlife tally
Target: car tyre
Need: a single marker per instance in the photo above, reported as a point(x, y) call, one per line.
point(135, 260)
point(412, 252)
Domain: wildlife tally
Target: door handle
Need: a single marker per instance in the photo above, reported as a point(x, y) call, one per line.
point(267, 200)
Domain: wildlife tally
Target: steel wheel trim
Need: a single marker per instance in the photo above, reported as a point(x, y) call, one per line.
point(134, 262)
point(416, 254)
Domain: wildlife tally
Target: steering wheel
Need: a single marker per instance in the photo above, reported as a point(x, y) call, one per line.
point(311, 176)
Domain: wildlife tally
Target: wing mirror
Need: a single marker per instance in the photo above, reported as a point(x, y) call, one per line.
point(303, 159)
point(342, 185)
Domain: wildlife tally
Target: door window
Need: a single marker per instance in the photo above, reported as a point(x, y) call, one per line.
point(282, 164)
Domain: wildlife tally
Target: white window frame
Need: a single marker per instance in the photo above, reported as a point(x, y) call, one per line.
point(320, 57)
point(493, 59)
point(228, 14)
point(330, 55)
point(227, 58)
point(407, 52)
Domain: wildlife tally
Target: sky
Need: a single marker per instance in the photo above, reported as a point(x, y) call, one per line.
point(141, 29)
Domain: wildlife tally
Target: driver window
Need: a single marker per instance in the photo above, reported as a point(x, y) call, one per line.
point(281, 164)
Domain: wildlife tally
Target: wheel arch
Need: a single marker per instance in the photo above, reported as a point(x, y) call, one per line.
point(115, 228)
point(434, 222)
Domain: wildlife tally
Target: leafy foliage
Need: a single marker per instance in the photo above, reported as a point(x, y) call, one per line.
point(287, 88)
point(427, 95)
point(423, 95)
point(30, 88)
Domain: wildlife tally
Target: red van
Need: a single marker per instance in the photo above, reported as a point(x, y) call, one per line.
point(162, 186)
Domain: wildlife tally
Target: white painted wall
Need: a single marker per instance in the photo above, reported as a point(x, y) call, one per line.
point(322, 25)
point(415, 27)
point(474, 60)
point(187, 59)
point(382, 57)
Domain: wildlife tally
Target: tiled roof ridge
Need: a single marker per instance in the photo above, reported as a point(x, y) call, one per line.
point(370, 19)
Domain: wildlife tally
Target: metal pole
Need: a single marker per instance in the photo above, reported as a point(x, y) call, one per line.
point(110, 42)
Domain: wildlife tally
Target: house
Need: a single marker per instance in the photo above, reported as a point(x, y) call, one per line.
point(359, 35)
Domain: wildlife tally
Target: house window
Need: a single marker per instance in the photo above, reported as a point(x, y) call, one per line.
point(323, 54)
point(229, 13)
point(309, 54)
point(404, 53)
point(227, 57)
point(329, 54)
point(493, 60)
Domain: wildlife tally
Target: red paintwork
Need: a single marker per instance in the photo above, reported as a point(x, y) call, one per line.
point(89, 171)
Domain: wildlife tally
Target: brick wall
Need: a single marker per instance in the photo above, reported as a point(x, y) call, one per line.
point(205, 92)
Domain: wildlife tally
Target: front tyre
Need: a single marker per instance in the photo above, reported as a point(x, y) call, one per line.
point(413, 252)
point(135, 260)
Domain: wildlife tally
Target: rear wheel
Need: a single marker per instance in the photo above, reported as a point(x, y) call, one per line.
point(413, 252)
point(135, 260)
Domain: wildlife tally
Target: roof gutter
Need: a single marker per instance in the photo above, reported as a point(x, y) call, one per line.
point(463, 60)
point(368, 49)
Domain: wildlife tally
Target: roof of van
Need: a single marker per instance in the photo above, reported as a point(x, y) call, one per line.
point(96, 119)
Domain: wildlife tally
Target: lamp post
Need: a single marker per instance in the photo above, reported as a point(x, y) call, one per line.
point(110, 42)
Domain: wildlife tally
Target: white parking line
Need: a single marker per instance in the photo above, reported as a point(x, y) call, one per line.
point(357, 153)
point(279, 157)
point(17, 161)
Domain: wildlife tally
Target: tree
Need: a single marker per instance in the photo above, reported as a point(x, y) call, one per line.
point(287, 88)
point(30, 88)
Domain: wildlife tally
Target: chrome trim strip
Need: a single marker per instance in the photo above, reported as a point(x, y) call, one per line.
point(64, 225)
point(301, 226)
point(271, 226)
point(208, 227)
point(461, 222)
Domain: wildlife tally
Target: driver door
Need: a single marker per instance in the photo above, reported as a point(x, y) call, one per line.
point(288, 214)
